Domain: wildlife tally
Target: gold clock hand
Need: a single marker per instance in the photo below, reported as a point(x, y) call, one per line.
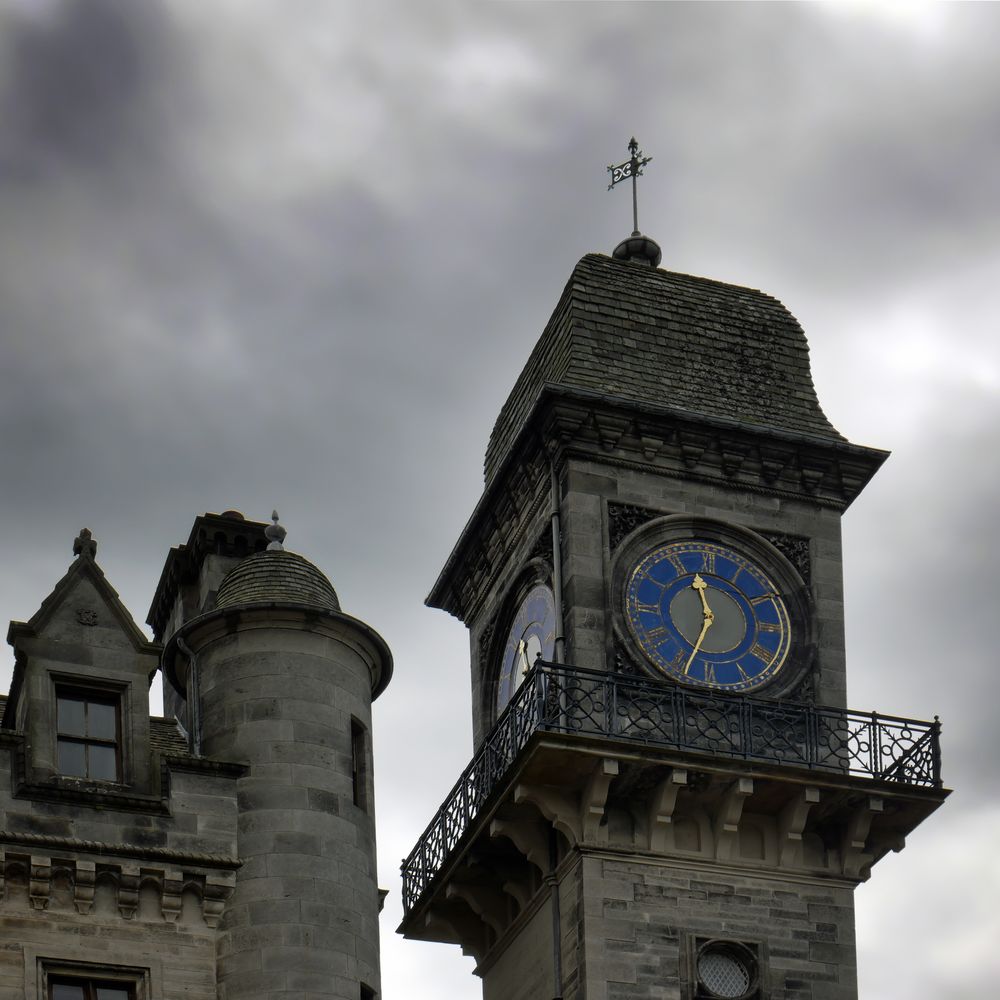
point(699, 584)
point(701, 638)
point(522, 653)
point(708, 615)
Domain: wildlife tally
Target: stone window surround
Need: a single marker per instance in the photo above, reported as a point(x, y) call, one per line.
point(134, 968)
point(90, 695)
point(754, 950)
point(360, 767)
point(101, 690)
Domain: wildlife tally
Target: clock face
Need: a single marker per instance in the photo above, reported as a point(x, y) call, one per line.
point(532, 632)
point(706, 615)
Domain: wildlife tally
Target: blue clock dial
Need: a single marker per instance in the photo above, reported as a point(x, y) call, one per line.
point(532, 633)
point(705, 615)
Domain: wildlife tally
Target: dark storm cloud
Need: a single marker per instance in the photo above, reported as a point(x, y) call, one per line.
point(79, 82)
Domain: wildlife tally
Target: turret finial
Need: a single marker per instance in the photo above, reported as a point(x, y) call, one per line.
point(636, 247)
point(84, 544)
point(275, 534)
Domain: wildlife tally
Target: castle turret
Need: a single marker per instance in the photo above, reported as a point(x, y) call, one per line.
point(278, 678)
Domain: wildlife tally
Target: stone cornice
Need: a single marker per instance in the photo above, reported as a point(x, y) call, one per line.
point(222, 622)
point(10, 838)
point(666, 441)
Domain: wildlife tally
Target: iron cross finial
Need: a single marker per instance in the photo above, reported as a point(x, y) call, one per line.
point(632, 167)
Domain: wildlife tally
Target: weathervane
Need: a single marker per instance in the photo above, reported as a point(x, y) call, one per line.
point(632, 167)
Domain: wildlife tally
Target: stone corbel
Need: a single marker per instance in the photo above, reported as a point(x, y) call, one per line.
point(218, 888)
point(128, 891)
point(486, 903)
point(83, 886)
point(856, 860)
point(559, 808)
point(529, 838)
point(443, 927)
point(734, 454)
point(171, 898)
point(593, 800)
point(651, 446)
point(514, 880)
point(812, 469)
point(727, 817)
point(791, 823)
point(519, 890)
point(661, 810)
point(40, 882)
point(611, 429)
point(693, 446)
point(774, 461)
point(567, 420)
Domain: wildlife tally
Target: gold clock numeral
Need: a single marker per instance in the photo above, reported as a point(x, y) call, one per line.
point(675, 561)
point(657, 633)
point(744, 676)
point(765, 656)
point(709, 673)
point(678, 659)
point(708, 561)
point(769, 627)
point(763, 599)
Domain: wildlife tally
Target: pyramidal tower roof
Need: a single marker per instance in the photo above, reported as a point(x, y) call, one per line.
point(626, 330)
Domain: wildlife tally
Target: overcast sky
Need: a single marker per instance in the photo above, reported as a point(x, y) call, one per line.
point(294, 254)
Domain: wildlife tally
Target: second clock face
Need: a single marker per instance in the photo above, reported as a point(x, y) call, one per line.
point(706, 615)
point(532, 632)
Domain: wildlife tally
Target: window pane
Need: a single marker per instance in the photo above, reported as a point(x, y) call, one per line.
point(112, 993)
point(102, 721)
point(72, 761)
point(102, 763)
point(64, 991)
point(71, 719)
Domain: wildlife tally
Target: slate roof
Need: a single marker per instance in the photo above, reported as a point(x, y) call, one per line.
point(276, 578)
point(166, 737)
point(647, 335)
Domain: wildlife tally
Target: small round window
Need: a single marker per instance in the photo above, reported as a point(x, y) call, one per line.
point(726, 970)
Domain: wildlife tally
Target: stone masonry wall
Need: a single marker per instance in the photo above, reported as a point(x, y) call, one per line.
point(587, 562)
point(639, 921)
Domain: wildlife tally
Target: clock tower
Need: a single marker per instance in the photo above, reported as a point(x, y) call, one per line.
point(669, 797)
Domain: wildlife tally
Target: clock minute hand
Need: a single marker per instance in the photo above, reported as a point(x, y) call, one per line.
point(699, 584)
point(708, 617)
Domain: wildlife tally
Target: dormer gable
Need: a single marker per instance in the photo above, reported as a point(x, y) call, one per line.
point(80, 692)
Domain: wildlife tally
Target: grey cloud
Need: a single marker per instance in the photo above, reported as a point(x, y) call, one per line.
point(253, 260)
point(79, 83)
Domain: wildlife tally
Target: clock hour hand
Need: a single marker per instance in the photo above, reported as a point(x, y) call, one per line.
point(524, 657)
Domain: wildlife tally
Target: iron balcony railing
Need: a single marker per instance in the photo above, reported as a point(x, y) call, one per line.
point(557, 698)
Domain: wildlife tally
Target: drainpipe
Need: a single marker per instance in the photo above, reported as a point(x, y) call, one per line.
point(195, 697)
point(559, 652)
point(556, 917)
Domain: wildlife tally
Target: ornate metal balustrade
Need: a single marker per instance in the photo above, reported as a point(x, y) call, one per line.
point(563, 699)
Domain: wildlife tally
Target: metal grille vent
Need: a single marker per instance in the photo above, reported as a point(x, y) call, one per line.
point(722, 974)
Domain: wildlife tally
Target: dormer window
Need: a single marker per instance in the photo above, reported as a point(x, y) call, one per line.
point(88, 734)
